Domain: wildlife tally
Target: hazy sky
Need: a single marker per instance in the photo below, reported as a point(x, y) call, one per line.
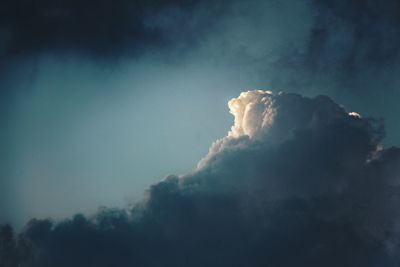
point(100, 100)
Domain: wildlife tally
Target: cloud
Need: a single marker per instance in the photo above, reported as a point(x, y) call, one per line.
point(349, 47)
point(98, 28)
point(308, 44)
point(297, 181)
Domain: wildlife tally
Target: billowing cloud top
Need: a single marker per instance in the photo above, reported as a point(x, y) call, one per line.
point(253, 111)
point(296, 182)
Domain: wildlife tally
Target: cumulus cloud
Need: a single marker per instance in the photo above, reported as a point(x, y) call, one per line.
point(252, 111)
point(297, 181)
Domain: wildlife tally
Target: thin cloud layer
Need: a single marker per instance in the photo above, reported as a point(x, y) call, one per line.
point(297, 181)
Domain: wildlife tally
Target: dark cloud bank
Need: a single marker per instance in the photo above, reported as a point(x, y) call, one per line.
point(100, 28)
point(297, 182)
point(344, 37)
point(347, 41)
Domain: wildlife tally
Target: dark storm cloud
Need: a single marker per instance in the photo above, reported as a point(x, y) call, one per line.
point(100, 28)
point(349, 46)
point(369, 29)
point(339, 47)
point(296, 182)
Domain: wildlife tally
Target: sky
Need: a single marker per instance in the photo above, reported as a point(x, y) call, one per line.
point(118, 111)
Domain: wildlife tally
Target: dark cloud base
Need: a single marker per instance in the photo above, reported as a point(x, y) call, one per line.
point(345, 37)
point(98, 28)
point(322, 194)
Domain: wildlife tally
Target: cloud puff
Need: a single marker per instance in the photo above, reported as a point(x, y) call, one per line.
point(252, 111)
point(297, 181)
